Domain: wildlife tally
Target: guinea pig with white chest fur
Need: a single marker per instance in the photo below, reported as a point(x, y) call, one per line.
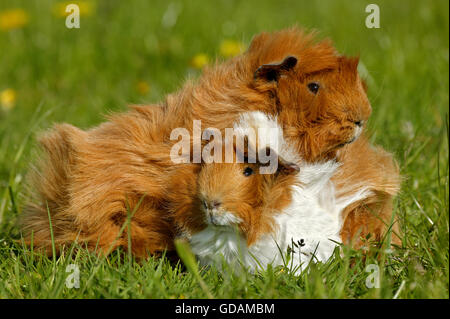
point(254, 219)
point(238, 205)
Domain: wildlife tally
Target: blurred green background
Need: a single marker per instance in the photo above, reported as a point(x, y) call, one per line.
point(138, 51)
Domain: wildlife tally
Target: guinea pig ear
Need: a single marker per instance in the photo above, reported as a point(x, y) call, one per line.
point(271, 72)
point(287, 168)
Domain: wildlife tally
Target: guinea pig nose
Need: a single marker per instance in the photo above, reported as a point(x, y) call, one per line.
point(359, 123)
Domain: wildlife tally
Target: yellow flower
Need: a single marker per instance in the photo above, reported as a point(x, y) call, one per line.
point(182, 297)
point(13, 19)
point(229, 48)
point(86, 8)
point(199, 60)
point(142, 87)
point(7, 99)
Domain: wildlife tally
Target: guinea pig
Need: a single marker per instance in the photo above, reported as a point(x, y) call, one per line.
point(237, 205)
point(246, 218)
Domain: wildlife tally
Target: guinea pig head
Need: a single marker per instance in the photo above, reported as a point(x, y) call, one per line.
point(323, 106)
point(239, 195)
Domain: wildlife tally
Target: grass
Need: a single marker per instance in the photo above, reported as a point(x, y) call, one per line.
point(137, 52)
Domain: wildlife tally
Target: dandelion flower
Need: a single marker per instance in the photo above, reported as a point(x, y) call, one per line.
point(13, 19)
point(199, 60)
point(7, 99)
point(142, 87)
point(86, 8)
point(230, 48)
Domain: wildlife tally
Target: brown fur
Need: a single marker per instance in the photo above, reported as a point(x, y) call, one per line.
point(320, 125)
point(368, 166)
point(89, 178)
point(92, 181)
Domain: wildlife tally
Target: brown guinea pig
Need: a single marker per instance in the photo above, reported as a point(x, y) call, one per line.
point(232, 205)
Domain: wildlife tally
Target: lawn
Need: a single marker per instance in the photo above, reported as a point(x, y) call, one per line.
point(128, 52)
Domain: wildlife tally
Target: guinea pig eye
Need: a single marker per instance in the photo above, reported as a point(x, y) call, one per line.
point(248, 171)
point(314, 87)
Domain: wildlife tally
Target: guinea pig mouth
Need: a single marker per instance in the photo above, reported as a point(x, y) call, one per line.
point(357, 132)
point(223, 218)
point(351, 140)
